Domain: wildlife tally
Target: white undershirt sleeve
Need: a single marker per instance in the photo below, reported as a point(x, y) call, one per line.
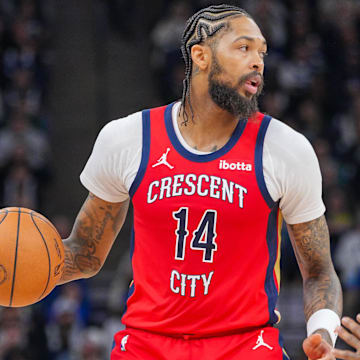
point(115, 159)
point(292, 173)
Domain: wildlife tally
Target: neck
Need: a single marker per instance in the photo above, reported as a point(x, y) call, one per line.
point(208, 127)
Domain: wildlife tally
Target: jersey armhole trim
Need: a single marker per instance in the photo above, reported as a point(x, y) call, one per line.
point(144, 153)
point(259, 170)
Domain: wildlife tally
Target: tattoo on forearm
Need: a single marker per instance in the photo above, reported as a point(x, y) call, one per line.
point(69, 268)
point(322, 288)
point(94, 225)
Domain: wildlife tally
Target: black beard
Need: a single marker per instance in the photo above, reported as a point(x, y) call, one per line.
point(228, 98)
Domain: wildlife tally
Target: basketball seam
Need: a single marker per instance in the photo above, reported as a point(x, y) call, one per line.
point(33, 213)
point(15, 259)
point(47, 250)
point(6, 214)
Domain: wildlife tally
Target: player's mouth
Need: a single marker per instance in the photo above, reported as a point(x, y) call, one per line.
point(252, 84)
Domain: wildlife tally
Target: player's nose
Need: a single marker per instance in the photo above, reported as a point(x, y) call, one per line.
point(257, 63)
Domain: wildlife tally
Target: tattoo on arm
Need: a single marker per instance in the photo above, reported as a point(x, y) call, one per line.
point(94, 231)
point(322, 288)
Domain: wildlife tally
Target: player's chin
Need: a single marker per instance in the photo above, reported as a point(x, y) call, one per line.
point(244, 94)
point(248, 95)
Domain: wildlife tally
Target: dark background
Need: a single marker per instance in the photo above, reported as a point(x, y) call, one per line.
point(69, 67)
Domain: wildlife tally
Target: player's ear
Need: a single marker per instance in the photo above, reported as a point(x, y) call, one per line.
point(201, 56)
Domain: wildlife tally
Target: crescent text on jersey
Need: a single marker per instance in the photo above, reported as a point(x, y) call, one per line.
point(191, 184)
point(237, 165)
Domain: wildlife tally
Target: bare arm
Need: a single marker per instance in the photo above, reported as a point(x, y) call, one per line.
point(95, 229)
point(322, 288)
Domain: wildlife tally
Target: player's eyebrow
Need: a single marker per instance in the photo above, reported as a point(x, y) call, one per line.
point(248, 38)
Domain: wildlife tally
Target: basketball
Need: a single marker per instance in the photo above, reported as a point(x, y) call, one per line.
point(31, 257)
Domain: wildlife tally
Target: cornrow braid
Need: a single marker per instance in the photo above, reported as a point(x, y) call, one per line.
point(201, 26)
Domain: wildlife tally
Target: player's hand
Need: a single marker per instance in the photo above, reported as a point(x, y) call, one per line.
point(316, 348)
point(351, 337)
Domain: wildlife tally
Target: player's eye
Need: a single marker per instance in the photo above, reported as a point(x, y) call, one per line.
point(244, 48)
point(263, 54)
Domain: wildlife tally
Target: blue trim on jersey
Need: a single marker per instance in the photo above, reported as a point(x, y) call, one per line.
point(130, 292)
point(145, 152)
point(281, 342)
point(259, 161)
point(132, 243)
point(132, 287)
point(270, 286)
point(202, 157)
point(284, 356)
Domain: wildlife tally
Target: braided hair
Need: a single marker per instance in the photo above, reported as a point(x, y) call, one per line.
point(201, 26)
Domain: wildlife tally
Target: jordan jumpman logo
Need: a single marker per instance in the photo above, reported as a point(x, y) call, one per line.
point(163, 161)
point(260, 342)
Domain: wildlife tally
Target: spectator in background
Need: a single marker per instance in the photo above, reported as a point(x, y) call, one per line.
point(16, 354)
point(340, 218)
point(328, 165)
point(21, 187)
point(272, 16)
point(68, 318)
point(347, 260)
point(309, 118)
point(275, 102)
point(24, 159)
point(166, 58)
point(13, 332)
point(20, 133)
point(23, 90)
point(92, 344)
point(348, 148)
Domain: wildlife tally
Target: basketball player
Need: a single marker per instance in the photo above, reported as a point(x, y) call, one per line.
point(351, 335)
point(210, 179)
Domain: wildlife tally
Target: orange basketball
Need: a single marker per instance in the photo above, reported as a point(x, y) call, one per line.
point(31, 257)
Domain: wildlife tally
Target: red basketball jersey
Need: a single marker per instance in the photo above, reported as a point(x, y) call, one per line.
point(206, 238)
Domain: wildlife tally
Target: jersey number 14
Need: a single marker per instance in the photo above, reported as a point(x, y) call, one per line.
point(203, 237)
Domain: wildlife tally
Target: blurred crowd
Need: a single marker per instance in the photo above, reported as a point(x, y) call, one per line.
point(24, 124)
point(312, 83)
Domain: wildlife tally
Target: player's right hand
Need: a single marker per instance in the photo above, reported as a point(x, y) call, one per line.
point(351, 337)
point(316, 348)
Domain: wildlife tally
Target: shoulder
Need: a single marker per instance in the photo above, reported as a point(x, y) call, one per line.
point(282, 140)
point(292, 173)
point(121, 132)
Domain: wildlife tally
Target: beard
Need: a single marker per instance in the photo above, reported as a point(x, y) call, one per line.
point(228, 98)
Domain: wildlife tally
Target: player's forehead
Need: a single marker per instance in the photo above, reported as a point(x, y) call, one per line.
point(243, 27)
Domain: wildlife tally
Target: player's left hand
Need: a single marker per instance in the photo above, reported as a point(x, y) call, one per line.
point(316, 348)
point(351, 337)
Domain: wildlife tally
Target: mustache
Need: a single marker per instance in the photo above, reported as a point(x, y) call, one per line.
point(247, 77)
